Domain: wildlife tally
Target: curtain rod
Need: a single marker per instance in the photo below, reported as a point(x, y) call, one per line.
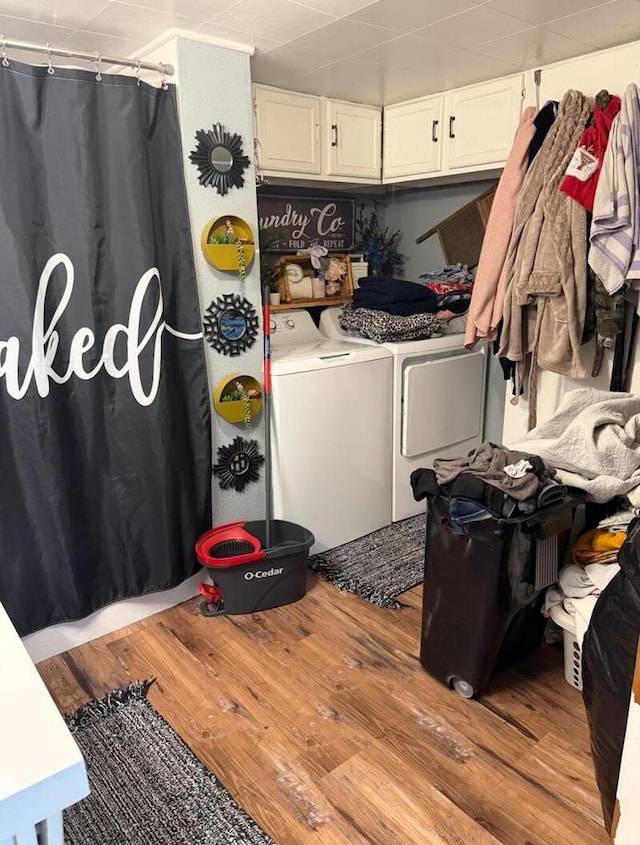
point(47, 50)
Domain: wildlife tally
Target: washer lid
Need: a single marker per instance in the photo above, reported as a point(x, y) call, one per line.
point(320, 354)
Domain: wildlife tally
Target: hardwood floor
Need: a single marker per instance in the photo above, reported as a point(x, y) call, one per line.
point(323, 725)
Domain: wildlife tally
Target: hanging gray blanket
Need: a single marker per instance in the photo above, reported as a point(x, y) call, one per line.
point(388, 328)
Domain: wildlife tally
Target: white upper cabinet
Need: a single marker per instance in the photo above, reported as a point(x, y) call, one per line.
point(481, 122)
point(352, 142)
point(612, 69)
point(460, 131)
point(302, 135)
point(413, 137)
point(288, 130)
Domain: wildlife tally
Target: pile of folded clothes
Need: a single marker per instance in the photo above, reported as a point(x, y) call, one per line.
point(452, 285)
point(492, 482)
point(389, 310)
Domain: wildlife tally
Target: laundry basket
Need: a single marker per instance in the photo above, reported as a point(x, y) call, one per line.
point(572, 650)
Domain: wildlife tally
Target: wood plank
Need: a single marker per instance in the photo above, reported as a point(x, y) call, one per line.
point(399, 806)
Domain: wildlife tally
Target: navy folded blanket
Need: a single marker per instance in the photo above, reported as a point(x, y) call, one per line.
point(395, 296)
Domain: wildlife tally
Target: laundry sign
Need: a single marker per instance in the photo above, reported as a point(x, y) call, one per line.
point(291, 223)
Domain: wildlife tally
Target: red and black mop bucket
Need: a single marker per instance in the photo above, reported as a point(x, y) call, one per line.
point(261, 564)
point(249, 576)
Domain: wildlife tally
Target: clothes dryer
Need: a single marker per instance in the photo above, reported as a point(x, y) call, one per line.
point(330, 433)
point(437, 403)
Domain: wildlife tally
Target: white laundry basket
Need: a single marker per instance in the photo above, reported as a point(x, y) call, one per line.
point(572, 650)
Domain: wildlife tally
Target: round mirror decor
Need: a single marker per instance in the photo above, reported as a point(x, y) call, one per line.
point(219, 157)
point(230, 324)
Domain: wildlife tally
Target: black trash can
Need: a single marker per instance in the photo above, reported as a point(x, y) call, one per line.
point(484, 590)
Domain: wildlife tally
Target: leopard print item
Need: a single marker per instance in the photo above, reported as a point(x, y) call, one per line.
point(388, 328)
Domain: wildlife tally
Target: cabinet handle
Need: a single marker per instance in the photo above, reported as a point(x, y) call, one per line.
point(434, 131)
point(451, 132)
point(334, 126)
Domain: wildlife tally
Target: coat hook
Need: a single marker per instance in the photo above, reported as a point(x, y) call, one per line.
point(5, 60)
point(98, 64)
point(138, 72)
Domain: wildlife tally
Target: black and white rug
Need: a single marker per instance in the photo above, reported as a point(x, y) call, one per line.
point(380, 566)
point(147, 787)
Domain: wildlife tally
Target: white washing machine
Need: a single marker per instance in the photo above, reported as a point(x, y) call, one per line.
point(331, 429)
point(437, 399)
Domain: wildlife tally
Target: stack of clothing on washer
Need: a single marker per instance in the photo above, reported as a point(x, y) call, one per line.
point(594, 564)
point(492, 482)
point(389, 310)
point(453, 286)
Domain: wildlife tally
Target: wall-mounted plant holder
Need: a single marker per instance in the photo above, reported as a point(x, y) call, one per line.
point(238, 399)
point(227, 244)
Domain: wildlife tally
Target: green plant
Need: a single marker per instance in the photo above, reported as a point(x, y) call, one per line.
point(268, 258)
point(379, 246)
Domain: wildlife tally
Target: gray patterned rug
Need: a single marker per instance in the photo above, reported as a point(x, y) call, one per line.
point(147, 787)
point(379, 566)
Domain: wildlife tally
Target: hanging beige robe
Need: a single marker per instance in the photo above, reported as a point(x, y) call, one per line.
point(545, 300)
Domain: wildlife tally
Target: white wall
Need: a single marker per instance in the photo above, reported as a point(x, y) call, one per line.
point(415, 211)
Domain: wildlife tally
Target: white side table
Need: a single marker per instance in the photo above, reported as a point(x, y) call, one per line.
point(41, 768)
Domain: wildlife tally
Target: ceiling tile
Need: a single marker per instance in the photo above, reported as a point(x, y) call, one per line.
point(107, 45)
point(341, 39)
point(410, 14)
point(261, 44)
point(474, 26)
point(541, 11)
point(199, 9)
point(404, 52)
point(621, 35)
point(286, 60)
point(464, 67)
point(531, 48)
point(284, 22)
point(41, 33)
point(69, 13)
point(348, 80)
point(136, 23)
point(400, 85)
point(339, 8)
point(601, 26)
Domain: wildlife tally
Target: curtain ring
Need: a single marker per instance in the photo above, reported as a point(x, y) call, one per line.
point(5, 60)
point(50, 67)
point(138, 72)
point(163, 78)
point(98, 64)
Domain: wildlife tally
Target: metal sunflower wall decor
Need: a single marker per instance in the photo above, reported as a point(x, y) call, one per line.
point(230, 324)
point(238, 464)
point(219, 158)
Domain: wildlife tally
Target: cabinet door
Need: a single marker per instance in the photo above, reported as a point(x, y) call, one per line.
point(482, 121)
point(413, 138)
point(352, 140)
point(288, 130)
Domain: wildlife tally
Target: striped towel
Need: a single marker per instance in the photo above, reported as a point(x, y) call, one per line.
point(615, 231)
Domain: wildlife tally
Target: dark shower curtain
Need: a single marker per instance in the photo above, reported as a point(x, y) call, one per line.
point(104, 413)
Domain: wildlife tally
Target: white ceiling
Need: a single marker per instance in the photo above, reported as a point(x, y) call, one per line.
point(371, 51)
